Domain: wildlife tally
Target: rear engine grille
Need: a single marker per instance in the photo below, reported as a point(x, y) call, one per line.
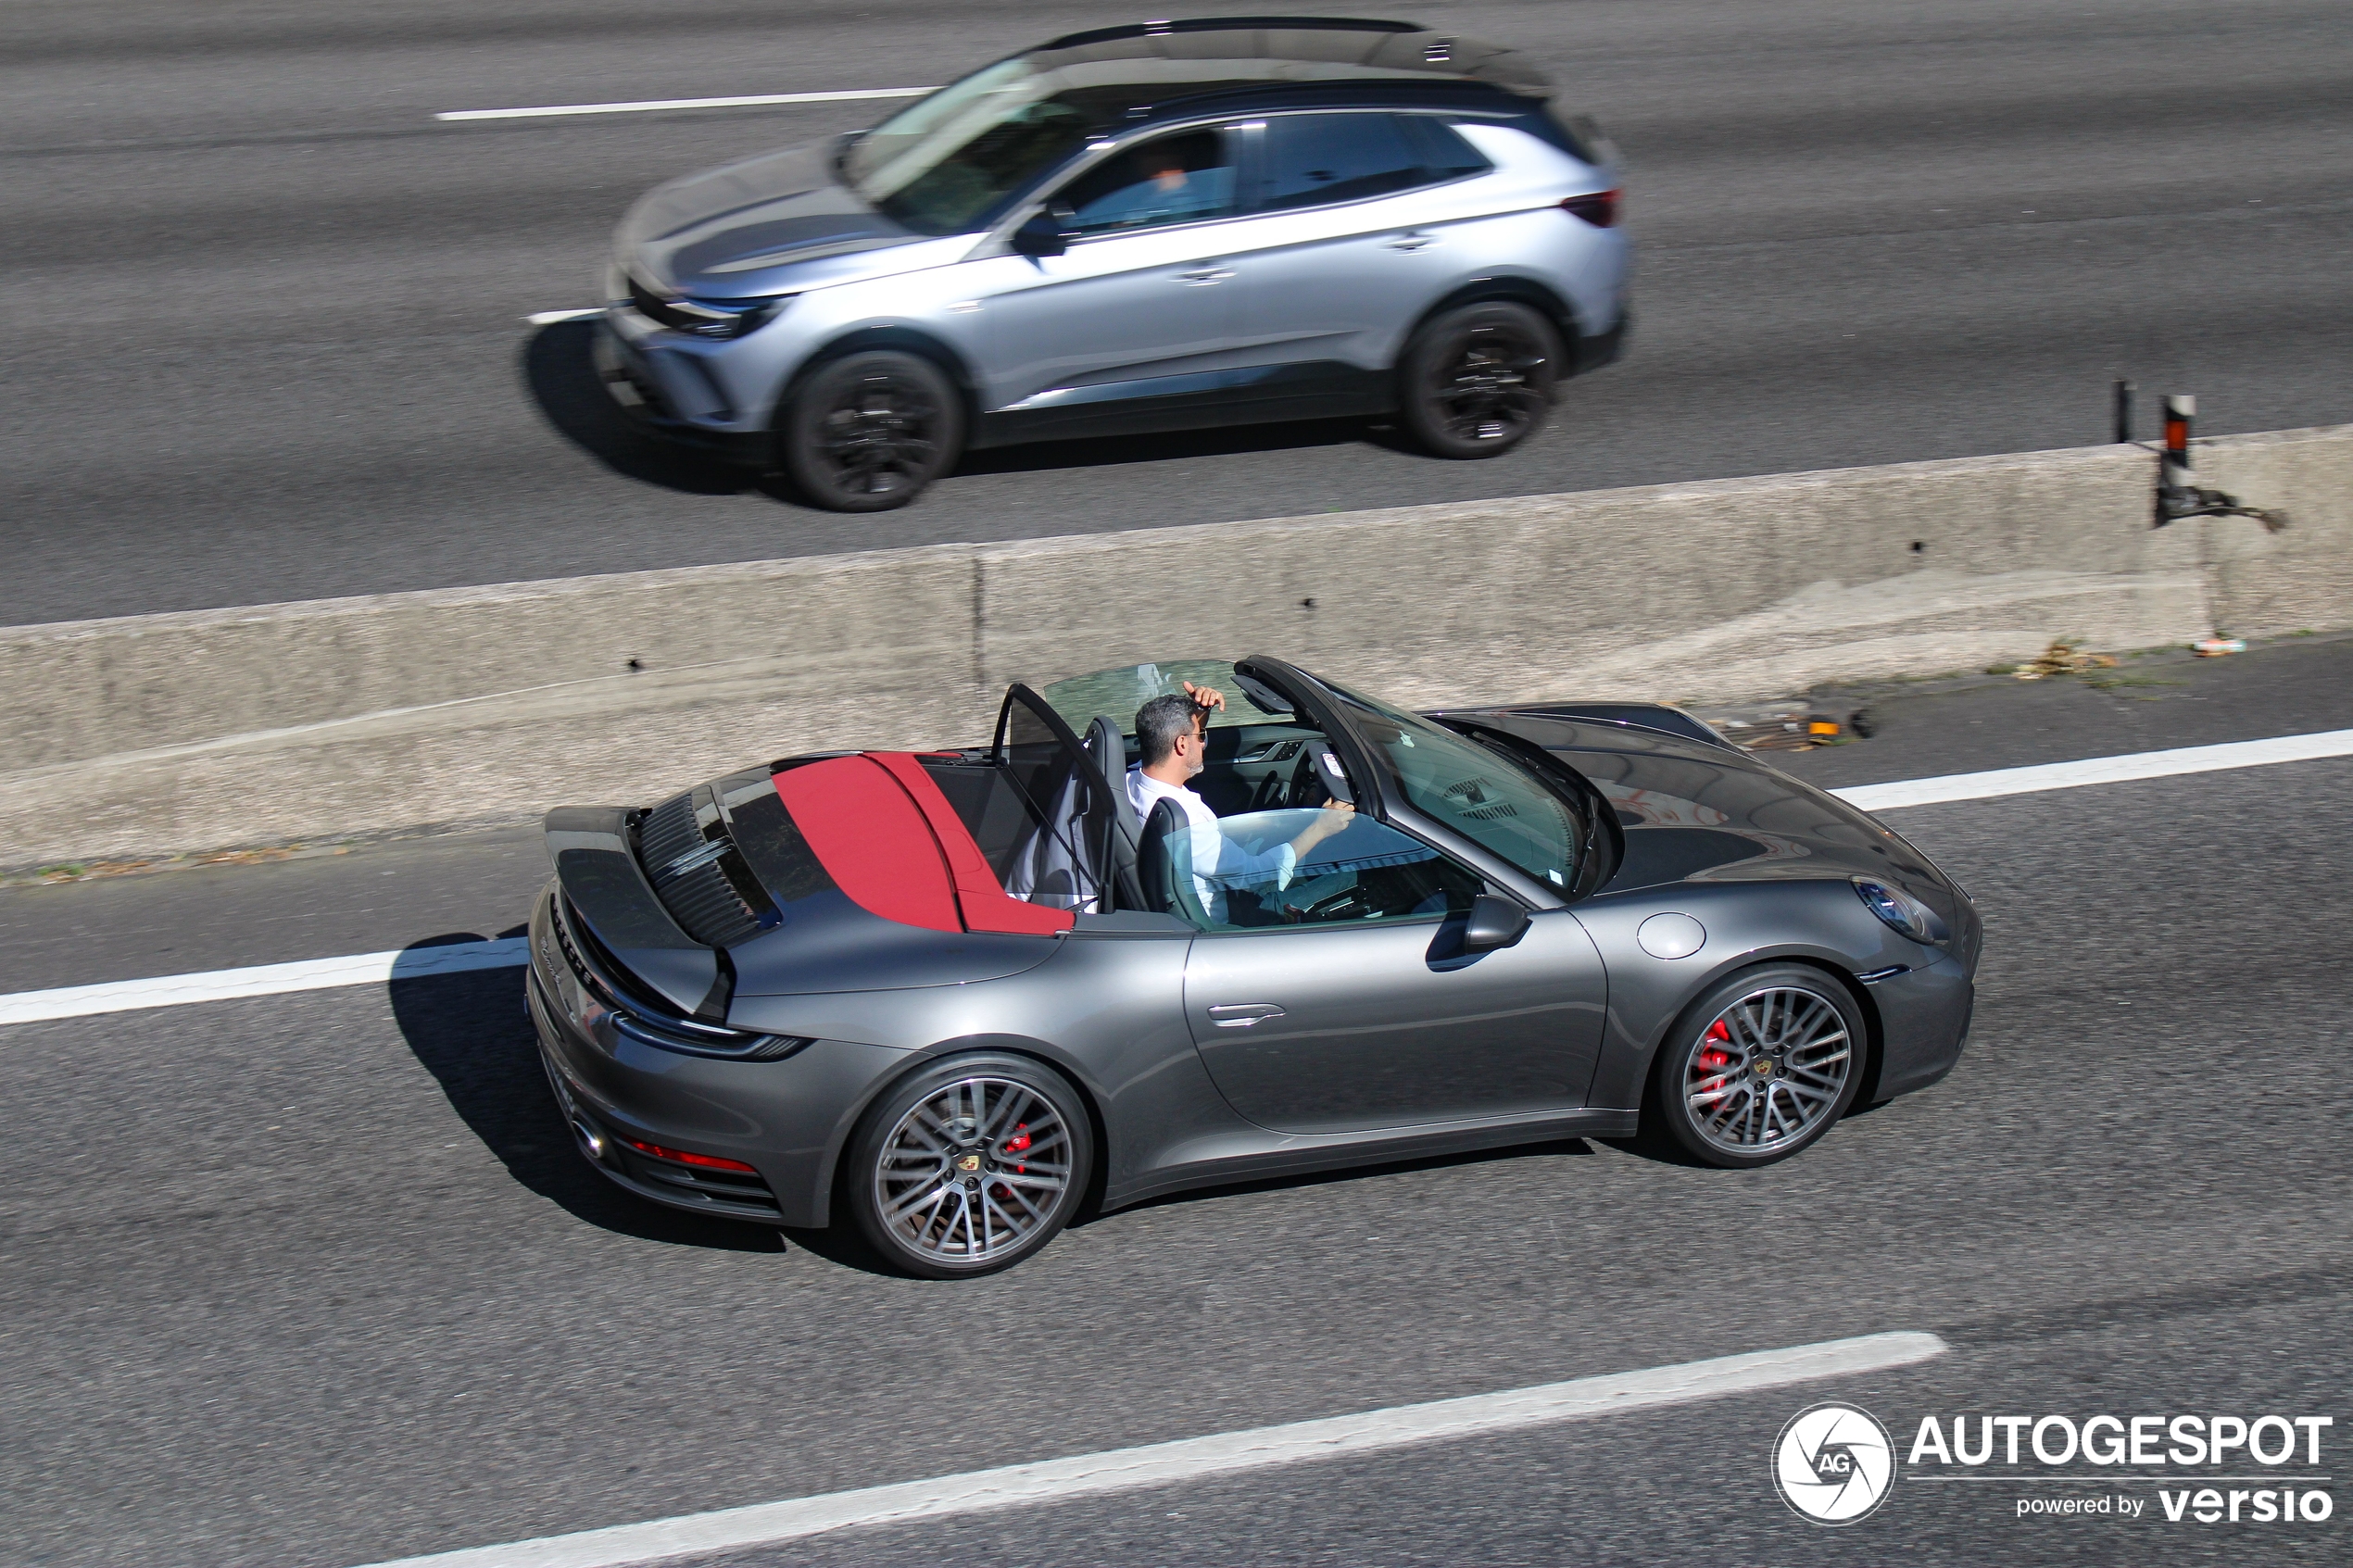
point(698, 875)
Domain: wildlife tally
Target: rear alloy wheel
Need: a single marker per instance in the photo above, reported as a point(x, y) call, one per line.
point(1760, 1068)
point(1478, 381)
point(970, 1167)
point(870, 431)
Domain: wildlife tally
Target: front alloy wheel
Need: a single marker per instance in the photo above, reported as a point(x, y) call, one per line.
point(1775, 1058)
point(870, 431)
point(970, 1167)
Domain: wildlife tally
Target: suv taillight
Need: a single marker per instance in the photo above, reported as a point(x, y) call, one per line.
point(1597, 207)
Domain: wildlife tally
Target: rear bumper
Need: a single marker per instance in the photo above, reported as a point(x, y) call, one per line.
point(1606, 348)
point(787, 1118)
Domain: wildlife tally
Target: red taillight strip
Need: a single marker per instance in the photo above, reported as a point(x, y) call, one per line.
point(679, 1155)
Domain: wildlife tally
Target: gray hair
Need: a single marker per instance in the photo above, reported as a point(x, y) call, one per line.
point(1159, 722)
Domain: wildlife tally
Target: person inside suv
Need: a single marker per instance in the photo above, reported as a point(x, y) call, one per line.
point(1173, 180)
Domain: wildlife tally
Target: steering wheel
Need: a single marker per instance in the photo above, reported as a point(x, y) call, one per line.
point(1340, 906)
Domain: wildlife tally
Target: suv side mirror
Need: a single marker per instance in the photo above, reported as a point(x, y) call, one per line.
point(1493, 922)
point(1042, 234)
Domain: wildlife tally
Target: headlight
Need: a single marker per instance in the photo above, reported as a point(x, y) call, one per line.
point(1903, 912)
point(705, 318)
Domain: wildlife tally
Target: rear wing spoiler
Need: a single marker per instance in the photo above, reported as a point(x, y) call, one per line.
point(609, 891)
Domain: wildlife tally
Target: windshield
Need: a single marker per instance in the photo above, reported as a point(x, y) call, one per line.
point(1116, 694)
point(941, 164)
point(1484, 796)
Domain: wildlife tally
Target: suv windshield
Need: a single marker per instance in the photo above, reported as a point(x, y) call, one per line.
point(1483, 794)
point(941, 164)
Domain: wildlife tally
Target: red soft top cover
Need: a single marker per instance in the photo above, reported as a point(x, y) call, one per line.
point(889, 840)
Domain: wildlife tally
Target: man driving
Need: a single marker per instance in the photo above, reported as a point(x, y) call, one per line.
point(1172, 732)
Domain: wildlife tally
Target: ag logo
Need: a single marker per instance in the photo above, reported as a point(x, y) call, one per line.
point(1833, 1464)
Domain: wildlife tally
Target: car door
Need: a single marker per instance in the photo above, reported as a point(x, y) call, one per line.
point(1144, 285)
point(1342, 1001)
point(1350, 242)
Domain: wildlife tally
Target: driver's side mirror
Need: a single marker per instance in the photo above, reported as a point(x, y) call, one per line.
point(1043, 234)
point(1493, 922)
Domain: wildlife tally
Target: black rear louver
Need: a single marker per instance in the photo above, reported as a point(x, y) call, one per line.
point(698, 875)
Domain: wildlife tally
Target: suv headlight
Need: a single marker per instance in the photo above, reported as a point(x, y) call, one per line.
point(705, 318)
point(1904, 913)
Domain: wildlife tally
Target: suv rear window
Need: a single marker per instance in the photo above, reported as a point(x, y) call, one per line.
point(1314, 159)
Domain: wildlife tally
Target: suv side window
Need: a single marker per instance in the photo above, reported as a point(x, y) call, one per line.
point(1316, 158)
point(1445, 154)
point(1178, 179)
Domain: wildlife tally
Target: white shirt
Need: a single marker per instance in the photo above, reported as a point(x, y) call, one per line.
point(1213, 853)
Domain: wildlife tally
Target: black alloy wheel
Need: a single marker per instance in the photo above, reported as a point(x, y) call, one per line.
point(968, 1166)
point(868, 432)
point(1478, 381)
point(1758, 1068)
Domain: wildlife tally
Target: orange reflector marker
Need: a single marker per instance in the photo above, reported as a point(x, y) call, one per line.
point(679, 1155)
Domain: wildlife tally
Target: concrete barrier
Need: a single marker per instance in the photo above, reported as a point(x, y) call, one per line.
point(290, 722)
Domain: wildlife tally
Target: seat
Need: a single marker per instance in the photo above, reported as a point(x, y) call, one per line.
point(1167, 886)
point(1108, 750)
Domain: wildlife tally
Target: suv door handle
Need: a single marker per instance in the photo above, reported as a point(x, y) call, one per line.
point(1413, 241)
point(1201, 275)
point(1241, 1015)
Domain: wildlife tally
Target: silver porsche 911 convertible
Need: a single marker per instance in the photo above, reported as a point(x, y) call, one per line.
point(955, 997)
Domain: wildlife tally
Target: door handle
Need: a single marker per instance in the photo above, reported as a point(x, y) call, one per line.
point(1201, 275)
point(1241, 1015)
point(1413, 241)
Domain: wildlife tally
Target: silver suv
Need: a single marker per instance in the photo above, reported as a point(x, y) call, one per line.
point(1154, 227)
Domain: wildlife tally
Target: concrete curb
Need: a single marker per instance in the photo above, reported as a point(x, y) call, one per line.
point(156, 733)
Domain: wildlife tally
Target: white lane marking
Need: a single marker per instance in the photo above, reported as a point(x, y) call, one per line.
point(550, 318)
point(261, 980)
point(649, 105)
point(2100, 770)
point(369, 968)
point(1193, 1458)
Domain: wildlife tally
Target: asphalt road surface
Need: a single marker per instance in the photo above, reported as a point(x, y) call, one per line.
point(263, 336)
point(318, 1280)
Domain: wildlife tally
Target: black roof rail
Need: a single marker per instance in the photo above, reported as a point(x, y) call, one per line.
point(1231, 24)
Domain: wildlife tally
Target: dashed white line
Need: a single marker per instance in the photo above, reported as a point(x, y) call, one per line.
point(261, 980)
point(2100, 770)
point(551, 318)
point(1161, 1464)
point(648, 105)
point(371, 969)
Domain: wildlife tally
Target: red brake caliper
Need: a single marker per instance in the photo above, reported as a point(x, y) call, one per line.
point(1014, 1145)
point(1715, 1058)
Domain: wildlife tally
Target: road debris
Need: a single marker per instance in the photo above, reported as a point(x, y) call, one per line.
point(2216, 647)
point(2064, 656)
